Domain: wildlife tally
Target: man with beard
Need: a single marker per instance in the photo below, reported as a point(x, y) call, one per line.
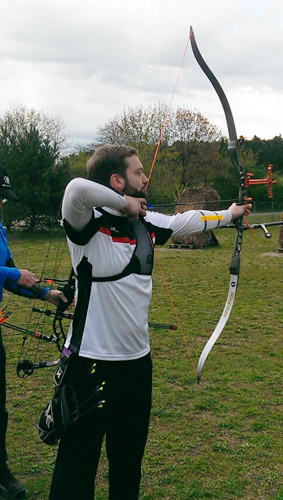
point(111, 237)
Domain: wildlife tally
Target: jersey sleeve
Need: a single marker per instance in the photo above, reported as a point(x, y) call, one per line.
point(190, 222)
point(82, 195)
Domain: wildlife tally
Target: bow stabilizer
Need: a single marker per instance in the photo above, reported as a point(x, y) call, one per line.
point(258, 225)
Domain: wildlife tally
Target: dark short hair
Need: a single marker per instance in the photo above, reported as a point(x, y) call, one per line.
point(108, 160)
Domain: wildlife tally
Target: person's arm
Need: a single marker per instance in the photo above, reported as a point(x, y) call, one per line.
point(82, 195)
point(25, 284)
point(193, 221)
point(9, 271)
point(196, 221)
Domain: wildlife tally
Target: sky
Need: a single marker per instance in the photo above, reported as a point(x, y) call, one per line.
point(86, 61)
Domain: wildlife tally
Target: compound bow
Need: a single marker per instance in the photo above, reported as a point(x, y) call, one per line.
point(25, 366)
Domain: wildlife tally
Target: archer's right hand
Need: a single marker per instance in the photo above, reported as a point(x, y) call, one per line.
point(135, 207)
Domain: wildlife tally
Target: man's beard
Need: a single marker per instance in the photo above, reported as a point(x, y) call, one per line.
point(131, 191)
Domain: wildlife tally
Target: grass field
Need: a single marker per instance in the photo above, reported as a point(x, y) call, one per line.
point(222, 439)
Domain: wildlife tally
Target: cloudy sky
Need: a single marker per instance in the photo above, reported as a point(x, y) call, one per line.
point(87, 60)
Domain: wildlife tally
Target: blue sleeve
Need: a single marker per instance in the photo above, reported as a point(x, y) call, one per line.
point(6, 271)
point(9, 273)
point(34, 292)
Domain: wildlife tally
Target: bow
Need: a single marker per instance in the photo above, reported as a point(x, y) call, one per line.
point(26, 367)
point(244, 182)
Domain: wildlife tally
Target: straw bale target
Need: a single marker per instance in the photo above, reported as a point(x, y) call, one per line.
point(196, 199)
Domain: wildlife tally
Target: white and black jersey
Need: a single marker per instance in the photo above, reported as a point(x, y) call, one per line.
point(113, 259)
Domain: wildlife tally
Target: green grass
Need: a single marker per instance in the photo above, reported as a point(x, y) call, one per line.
point(218, 440)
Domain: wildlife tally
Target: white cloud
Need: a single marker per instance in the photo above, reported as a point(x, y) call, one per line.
point(88, 60)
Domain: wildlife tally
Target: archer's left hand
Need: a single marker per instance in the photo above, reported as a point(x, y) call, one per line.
point(239, 210)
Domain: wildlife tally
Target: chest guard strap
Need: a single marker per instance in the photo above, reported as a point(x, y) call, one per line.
point(140, 263)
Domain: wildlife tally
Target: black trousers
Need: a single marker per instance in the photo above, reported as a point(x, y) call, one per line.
point(3, 411)
point(123, 419)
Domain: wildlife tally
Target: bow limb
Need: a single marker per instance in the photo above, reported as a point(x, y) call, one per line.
point(235, 158)
point(25, 366)
point(233, 144)
point(258, 225)
point(220, 325)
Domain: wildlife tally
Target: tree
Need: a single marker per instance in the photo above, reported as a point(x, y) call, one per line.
point(138, 127)
point(266, 151)
point(31, 143)
point(77, 163)
point(185, 130)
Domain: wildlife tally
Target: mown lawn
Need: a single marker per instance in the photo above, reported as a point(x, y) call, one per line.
point(221, 439)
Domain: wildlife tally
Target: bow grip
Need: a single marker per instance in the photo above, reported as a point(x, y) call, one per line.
point(69, 292)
